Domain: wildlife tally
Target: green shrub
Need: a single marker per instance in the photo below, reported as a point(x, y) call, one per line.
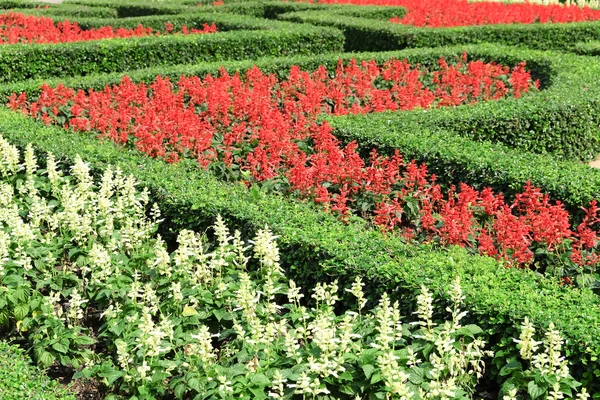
point(453, 142)
point(19, 62)
point(224, 21)
point(70, 12)
point(364, 34)
point(19, 380)
point(316, 247)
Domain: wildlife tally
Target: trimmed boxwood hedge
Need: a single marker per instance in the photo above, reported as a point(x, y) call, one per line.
point(21, 380)
point(364, 34)
point(315, 246)
point(271, 9)
point(19, 62)
point(70, 12)
point(224, 21)
point(443, 138)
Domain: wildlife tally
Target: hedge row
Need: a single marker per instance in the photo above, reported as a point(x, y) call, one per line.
point(70, 12)
point(364, 34)
point(21, 62)
point(271, 9)
point(224, 21)
point(591, 48)
point(562, 119)
point(21, 380)
point(453, 141)
point(315, 246)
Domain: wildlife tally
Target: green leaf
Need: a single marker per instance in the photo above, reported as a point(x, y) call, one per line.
point(260, 380)
point(46, 359)
point(189, 311)
point(469, 330)
point(534, 390)
point(510, 367)
point(61, 348)
point(368, 370)
point(416, 375)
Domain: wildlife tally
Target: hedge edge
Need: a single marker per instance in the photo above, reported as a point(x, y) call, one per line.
point(317, 246)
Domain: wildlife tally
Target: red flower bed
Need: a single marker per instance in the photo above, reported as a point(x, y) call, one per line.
point(20, 28)
point(257, 129)
point(446, 13)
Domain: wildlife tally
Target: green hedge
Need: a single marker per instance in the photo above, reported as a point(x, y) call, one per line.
point(8, 4)
point(591, 48)
point(454, 141)
point(21, 380)
point(20, 62)
point(70, 12)
point(316, 246)
point(272, 9)
point(364, 34)
point(224, 21)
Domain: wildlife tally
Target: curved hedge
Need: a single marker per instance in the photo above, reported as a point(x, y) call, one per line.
point(364, 34)
point(23, 61)
point(443, 138)
point(315, 246)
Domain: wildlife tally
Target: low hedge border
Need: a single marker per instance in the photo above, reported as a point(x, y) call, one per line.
point(364, 34)
point(591, 48)
point(69, 12)
point(316, 246)
point(271, 9)
point(540, 122)
point(224, 21)
point(20, 62)
point(442, 138)
point(21, 380)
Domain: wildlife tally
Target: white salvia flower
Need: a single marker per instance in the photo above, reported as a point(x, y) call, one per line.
point(394, 377)
point(294, 293)
point(277, 390)
point(53, 174)
point(204, 348)
point(425, 309)
point(385, 324)
point(143, 370)
point(30, 160)
point(583, 395)
point(162, 262)
point(54, 302)
point(555, 393)
point(326, 294)
point(413, 360)
point(225, 384)
point(75, 312)
point(123, 356)
point(4, 249)
point(100, 261)
point(512, 395)
point(528, 346)
point(222, 232)
point(554, 344)
point(357, 290)
point(9, 158)
point(81, 171)
point(176, 291)
point(266, 250)
point(241, 260)
point(456, 295)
